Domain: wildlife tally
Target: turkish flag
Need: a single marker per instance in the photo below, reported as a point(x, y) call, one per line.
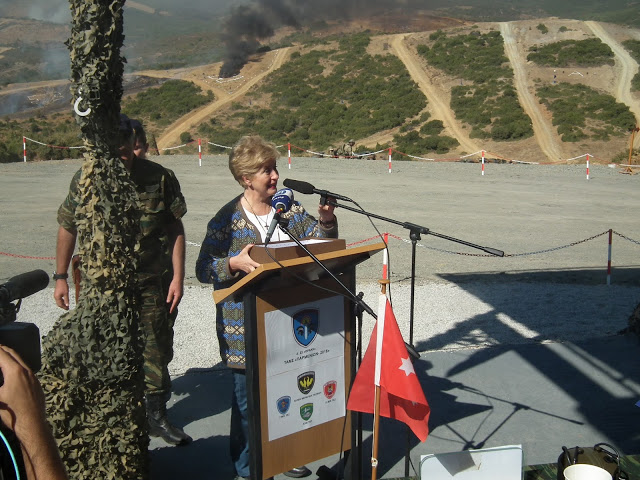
point(388, 364)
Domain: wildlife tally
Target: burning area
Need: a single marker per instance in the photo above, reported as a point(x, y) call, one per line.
point(249, 25)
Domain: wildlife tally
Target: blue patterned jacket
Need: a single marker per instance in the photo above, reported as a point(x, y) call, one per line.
point(227, 234)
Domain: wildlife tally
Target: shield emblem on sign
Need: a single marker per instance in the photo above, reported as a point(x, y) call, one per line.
point(306, 381)
point(283, 404)
point(330, 389)
point(305, 326)
point(306, 411)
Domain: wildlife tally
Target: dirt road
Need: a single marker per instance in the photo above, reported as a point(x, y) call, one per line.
point(171, 136)
point(437, 102)
point(543, 131)
point(626, 66)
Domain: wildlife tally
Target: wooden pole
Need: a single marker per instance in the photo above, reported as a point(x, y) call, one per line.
point(628, 168)
point(376, 428)
point(633, 133)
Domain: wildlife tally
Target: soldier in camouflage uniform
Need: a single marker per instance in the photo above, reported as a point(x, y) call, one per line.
point(160, 269)
point(348, 148)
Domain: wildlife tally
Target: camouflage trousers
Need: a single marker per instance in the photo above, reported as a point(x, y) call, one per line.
point(157, 327)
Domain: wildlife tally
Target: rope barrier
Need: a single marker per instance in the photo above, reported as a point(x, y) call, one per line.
point(52, 146)
point(353, 155)
point(221, 146)
point(387, 235)
point(26, 256)
point(536, 252)
point(178, 146)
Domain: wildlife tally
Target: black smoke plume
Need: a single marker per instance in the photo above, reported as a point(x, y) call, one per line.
point(250, 24)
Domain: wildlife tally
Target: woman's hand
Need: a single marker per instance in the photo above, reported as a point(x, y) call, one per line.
point(243, 261)
point(325, 212)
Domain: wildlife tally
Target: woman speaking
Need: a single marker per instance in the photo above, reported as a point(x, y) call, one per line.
point(224, 259)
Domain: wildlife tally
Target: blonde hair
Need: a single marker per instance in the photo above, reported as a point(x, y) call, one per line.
point(249, 155)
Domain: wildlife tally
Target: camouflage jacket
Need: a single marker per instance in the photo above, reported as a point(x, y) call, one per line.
point(162, 202)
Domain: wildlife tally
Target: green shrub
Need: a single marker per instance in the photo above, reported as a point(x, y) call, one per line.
point(166, 103)
point(490, 101)
point(633, 46)
point(315, 107)
point(581, 112)
point(572, 53)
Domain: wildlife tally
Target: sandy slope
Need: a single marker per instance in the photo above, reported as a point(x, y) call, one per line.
point(626, 68)
point(438, 103)
point(171, 136)
point(542, 128)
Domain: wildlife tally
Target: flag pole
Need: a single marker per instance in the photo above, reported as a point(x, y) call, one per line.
point(376, 425)
point(376, 406)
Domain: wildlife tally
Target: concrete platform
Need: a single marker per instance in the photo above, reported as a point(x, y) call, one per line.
point(542, 396)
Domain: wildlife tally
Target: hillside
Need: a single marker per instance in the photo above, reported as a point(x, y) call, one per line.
point(519, 37)
point(545, 146)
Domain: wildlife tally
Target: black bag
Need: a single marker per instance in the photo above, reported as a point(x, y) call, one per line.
point(607, 458)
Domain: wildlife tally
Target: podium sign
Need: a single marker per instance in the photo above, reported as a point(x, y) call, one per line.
point(294, 420)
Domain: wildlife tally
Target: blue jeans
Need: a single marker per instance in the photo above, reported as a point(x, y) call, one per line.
point(239, 431)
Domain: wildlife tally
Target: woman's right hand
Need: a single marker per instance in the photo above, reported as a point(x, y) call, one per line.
point(243, 261)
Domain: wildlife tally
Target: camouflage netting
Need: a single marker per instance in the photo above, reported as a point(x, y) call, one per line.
point(92, 358)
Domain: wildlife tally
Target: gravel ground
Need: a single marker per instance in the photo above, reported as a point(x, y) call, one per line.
point(550, 285)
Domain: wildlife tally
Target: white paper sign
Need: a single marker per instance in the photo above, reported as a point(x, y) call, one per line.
point(305, 366)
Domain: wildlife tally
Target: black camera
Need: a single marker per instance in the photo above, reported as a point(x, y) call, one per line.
point(24, 338)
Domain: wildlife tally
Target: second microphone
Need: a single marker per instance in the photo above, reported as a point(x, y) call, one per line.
point(281, 202)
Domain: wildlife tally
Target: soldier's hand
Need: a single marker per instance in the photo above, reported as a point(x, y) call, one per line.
point(176, 291)
point(61, 294)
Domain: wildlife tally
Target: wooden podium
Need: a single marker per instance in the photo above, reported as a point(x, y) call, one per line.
point(300, 356)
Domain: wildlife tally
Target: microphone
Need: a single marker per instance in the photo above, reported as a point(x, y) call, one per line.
point(281, 201)
point(308, 189)
point(23, 285)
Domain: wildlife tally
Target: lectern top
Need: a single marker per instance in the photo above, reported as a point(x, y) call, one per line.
point(336, 261)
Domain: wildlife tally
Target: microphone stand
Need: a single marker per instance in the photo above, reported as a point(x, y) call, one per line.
point(414, 234)
point(357, 299)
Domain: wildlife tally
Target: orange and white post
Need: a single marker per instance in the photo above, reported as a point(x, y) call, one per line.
point(587, 166)
point(200, 151)
point(24, 148)
point(609, 257)
point(389, 160)
point(482, 162)
point(289, 149)
point(385, 258)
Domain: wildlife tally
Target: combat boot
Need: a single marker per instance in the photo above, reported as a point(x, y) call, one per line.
point(159, 425)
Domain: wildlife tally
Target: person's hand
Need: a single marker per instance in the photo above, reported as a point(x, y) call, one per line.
point(325, 212)
point(176, 291)
point(61, 294)
point(22, 407)
point(243, 261)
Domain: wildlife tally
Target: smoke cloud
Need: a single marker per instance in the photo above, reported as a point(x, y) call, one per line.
point(250, 24)
point(55, 11)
